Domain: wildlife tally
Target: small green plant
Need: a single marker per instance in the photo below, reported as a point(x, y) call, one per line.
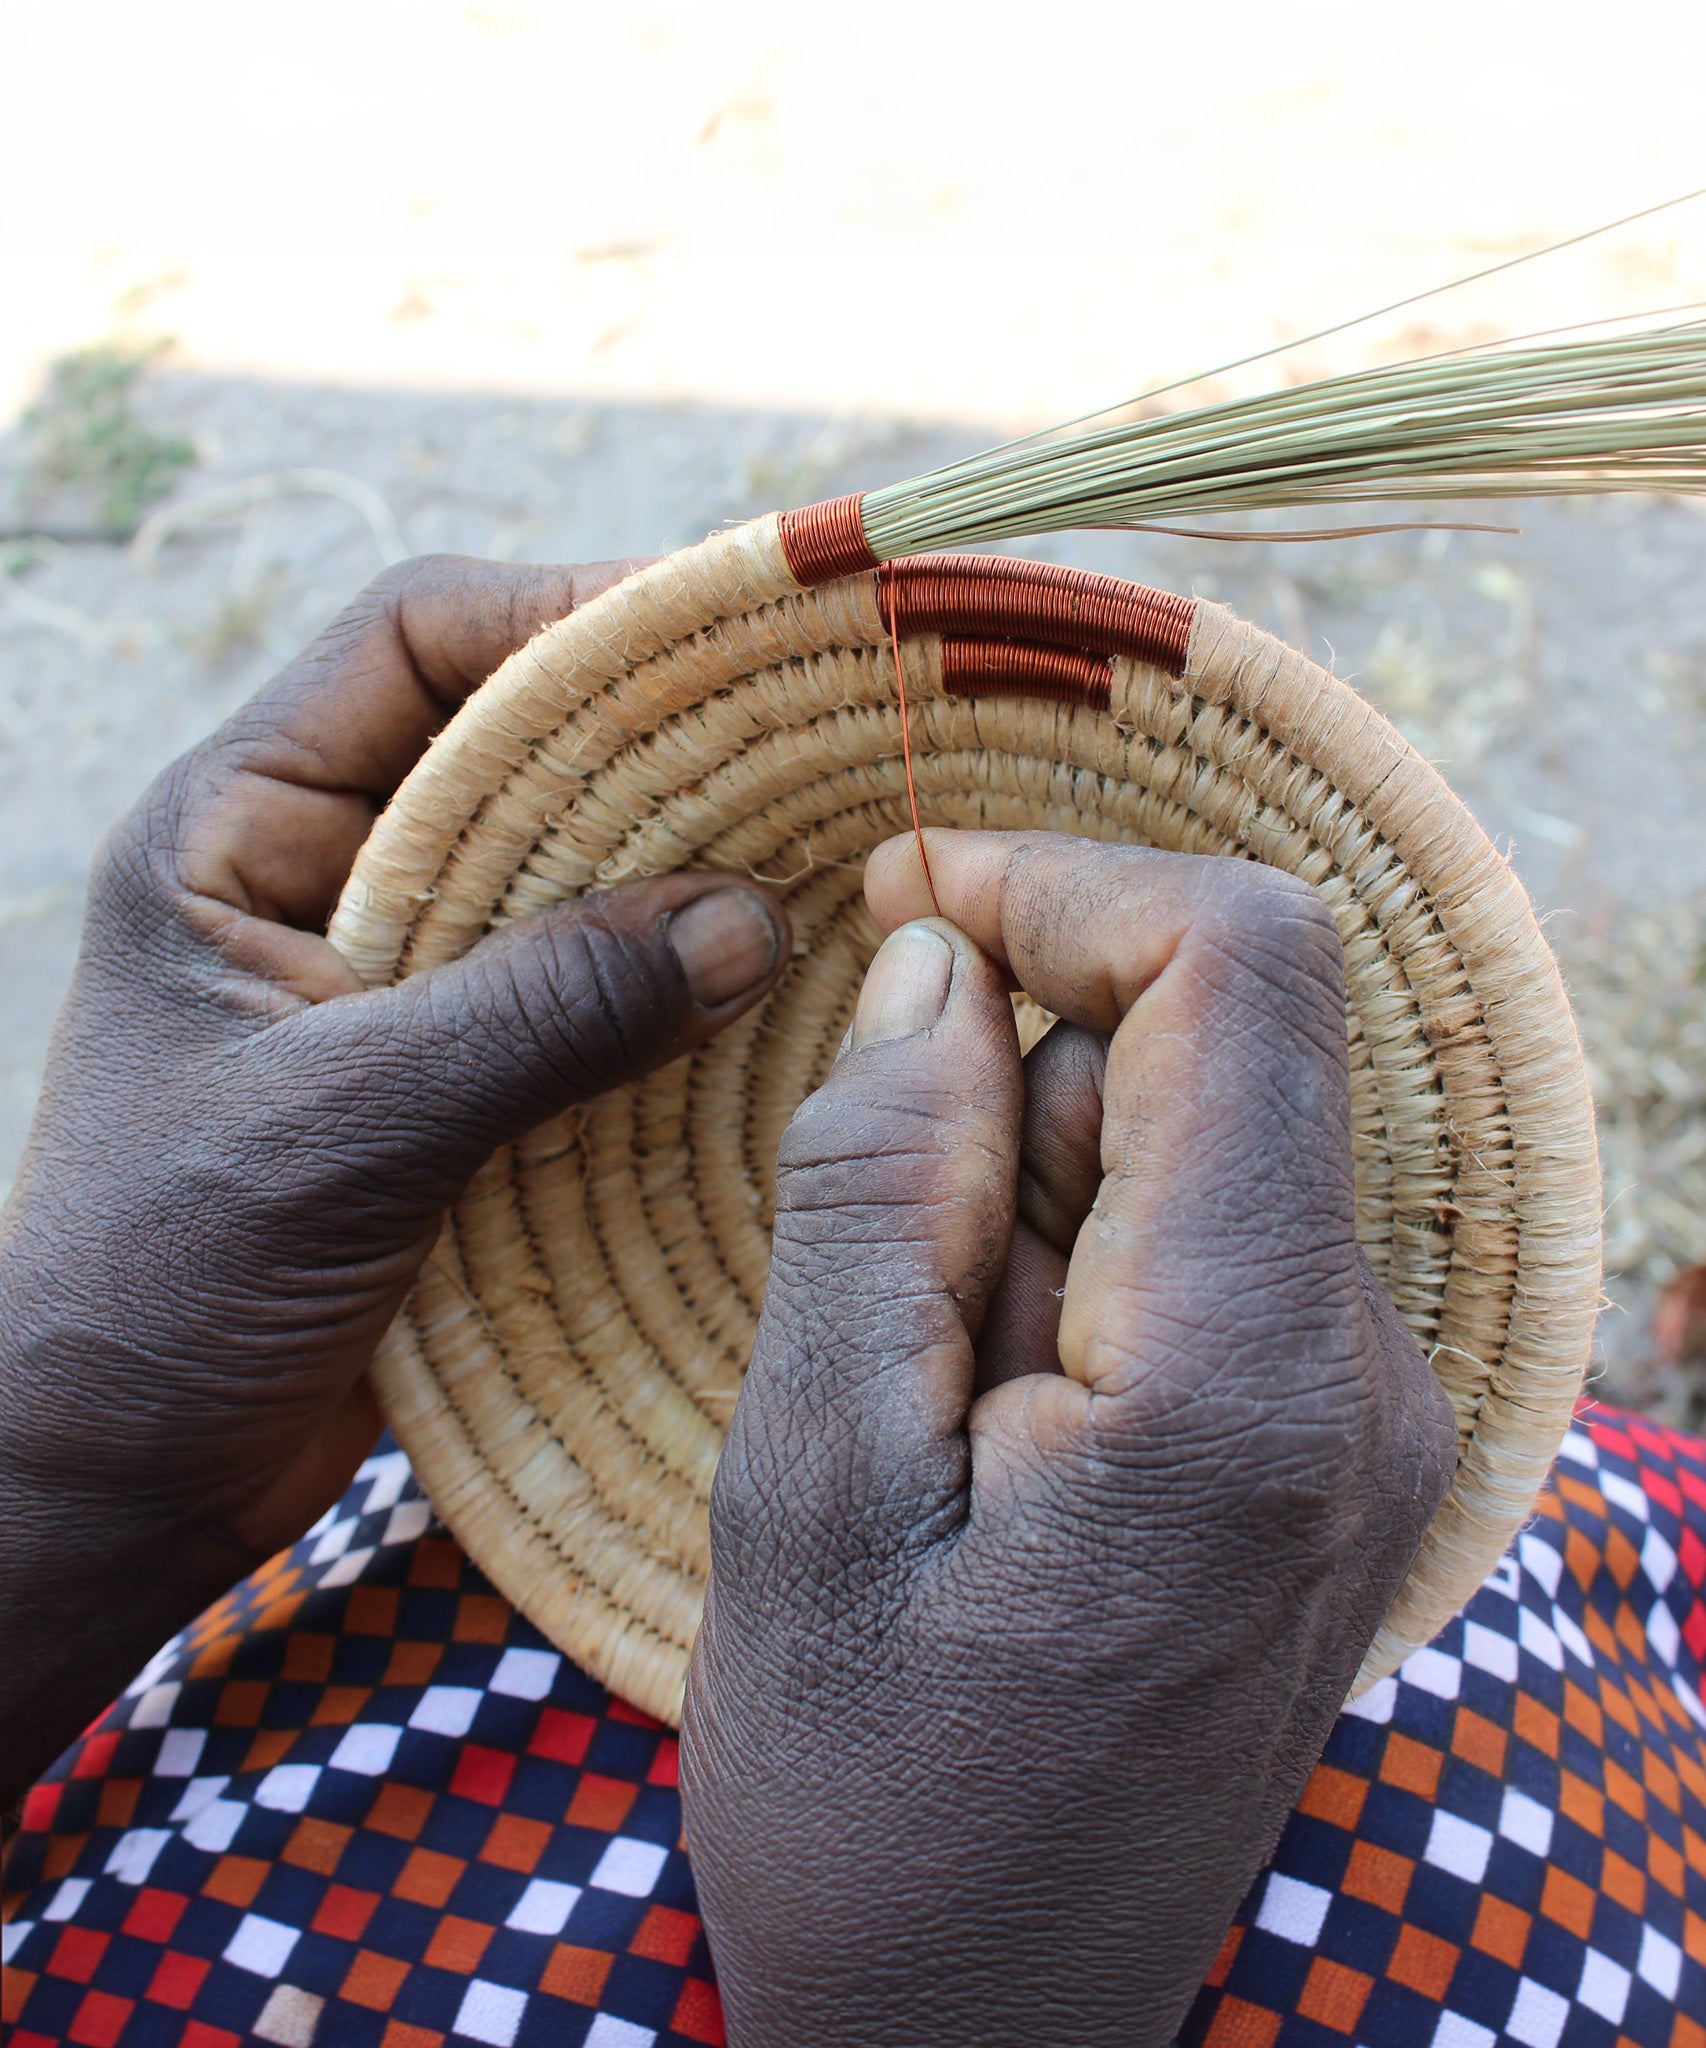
point(84, 434)
point(18, 557)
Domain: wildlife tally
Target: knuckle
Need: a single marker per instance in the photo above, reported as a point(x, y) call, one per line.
point(623, 1006)
point(835, 1123)
point(1277, 1475)
point(1268, 942)
point(137, 862)
point(382, 599)
point(856, 1166)
point(531, 598)
point(415, 576)
point(591, 1000)
point(1263, 915)
point(122, 870)
point(382, 602)
point(513, 599)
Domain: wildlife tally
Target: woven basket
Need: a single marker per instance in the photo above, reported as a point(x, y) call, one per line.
point(565, 1369)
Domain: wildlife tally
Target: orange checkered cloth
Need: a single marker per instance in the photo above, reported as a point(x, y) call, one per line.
point(362, 1802)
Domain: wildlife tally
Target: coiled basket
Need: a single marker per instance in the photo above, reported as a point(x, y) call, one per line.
point(564, 1372)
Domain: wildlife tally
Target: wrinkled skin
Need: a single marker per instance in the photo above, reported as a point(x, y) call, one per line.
point(1030, 1610)
point(1080, 1453)
point(241, 1157)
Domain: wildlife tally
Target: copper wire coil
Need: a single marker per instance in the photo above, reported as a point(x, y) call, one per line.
point(979, 596)
point(993, 599)
point(824, 541)
point(1025, 668)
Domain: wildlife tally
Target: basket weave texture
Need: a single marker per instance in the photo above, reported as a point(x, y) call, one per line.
point(564, 1372)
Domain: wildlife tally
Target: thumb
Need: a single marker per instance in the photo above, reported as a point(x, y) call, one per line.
point(542, 1015)
point(894, 1209)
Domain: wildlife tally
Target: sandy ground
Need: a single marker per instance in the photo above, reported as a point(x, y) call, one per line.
point(563, 282)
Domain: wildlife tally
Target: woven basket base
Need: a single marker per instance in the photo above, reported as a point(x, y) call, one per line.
point(565, 1369)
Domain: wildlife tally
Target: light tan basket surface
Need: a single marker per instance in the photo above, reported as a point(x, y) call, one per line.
point(565, 1370)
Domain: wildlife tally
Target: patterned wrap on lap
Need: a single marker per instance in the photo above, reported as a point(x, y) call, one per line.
point(564, 1372)
point(361, 1803)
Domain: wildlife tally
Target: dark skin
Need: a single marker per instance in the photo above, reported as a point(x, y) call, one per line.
point(1080, 1454)
point(1030, 1615)
point(241, 1157)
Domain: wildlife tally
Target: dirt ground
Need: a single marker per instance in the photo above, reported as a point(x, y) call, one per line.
point(1558, 678)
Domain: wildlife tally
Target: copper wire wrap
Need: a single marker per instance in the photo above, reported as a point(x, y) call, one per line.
point(1021, 668)
point(983, 597)
point(824, 541)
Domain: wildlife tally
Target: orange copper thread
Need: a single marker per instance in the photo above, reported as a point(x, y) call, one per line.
point(985, 596)
point(906, 756)
point(1026, 668)
point(824, 541)
point(1009, 628)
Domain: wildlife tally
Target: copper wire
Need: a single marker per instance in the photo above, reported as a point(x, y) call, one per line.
point(1313, 532)
point(824, 541)
point(906, 757)
point(1025, 668)
point(1008, 628)
point(984, 596)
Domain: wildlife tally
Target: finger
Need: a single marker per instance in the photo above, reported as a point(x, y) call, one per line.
point(1060, 1150)
point(1083, 928)
point(1021, 1330)
point(894, 1205)
point(415, 1085)
point(1060, 1171)
point(1236, 1388)
point(276, 804)
point(1222, 1243)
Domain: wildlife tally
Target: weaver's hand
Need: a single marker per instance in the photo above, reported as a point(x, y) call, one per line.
point(1029, 1616)
point(241, 1157)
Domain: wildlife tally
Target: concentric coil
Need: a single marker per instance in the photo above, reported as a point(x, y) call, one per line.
point(565, 1369)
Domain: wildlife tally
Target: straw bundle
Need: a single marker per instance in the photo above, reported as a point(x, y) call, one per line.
point(565, 1370)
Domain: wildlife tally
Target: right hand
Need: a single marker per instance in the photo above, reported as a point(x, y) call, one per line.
point(1028, 1618)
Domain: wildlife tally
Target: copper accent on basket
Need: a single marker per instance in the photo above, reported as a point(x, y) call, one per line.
point(824, 541)
point(1025, 668)
point(983, 596)
point(906, 757)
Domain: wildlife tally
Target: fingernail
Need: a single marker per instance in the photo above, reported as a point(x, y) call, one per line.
point(726, 943)
point(906, 986)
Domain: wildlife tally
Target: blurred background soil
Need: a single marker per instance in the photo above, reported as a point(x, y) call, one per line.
point(557, 282)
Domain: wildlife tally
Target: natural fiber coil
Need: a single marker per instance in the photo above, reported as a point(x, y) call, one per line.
point(564, 1372)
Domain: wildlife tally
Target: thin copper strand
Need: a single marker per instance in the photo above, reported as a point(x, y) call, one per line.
point(906, 756)
point(1314, 532)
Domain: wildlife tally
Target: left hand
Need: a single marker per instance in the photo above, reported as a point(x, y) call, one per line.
point(242, 1156)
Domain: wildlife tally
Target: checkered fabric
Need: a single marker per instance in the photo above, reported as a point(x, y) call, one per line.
point(363, 1802)
point(1505, 1843)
